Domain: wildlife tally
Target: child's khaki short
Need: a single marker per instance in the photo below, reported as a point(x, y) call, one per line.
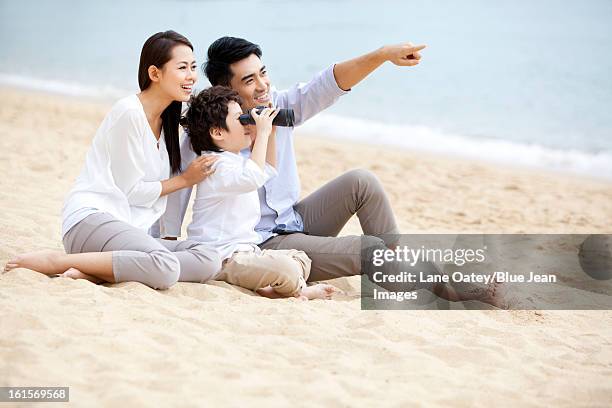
point(285, 270)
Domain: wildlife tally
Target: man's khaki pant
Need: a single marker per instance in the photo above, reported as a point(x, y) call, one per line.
point(285, 270)
point(326, 211)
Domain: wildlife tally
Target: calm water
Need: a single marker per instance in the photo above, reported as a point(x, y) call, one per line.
point(521, 82)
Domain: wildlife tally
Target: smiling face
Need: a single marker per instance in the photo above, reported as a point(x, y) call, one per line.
point(250, 79)
point(237, 136)
point(177, 76)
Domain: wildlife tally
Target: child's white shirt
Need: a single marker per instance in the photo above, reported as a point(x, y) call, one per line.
point(226, 206)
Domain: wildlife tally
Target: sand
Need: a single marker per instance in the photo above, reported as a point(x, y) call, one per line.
point(213, 344)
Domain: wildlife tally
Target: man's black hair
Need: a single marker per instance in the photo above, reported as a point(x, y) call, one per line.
point(224, 52)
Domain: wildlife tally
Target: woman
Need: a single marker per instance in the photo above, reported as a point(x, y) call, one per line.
point(121, 191)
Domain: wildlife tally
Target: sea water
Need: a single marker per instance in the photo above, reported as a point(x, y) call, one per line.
point(518, 82)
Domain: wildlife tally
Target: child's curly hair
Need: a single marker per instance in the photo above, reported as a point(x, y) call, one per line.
point(207, 110)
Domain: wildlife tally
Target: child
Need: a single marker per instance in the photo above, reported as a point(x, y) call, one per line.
point(226, 207)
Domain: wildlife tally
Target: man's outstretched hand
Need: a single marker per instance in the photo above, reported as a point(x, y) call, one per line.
point(404, 55)
point(349, 73)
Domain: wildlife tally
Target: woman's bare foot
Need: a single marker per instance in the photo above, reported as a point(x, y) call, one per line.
point(76, 274)
point(318, 291)
point(45, 261)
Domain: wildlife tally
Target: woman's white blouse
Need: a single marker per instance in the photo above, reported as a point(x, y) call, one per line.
point(123, 171)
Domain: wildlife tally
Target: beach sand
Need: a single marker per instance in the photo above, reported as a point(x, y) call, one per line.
point(213, 344)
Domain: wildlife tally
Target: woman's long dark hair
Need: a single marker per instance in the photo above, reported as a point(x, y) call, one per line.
point(157, 50)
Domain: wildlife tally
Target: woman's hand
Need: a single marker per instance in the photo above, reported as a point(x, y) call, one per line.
point(198, 170)
point(263, 120)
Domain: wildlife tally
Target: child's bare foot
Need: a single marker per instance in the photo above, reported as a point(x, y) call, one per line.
point(45, 261)
point(76, 274)
point(318, 291)
point(268, 292)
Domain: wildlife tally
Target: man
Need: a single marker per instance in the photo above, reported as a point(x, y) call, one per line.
point(312, 224)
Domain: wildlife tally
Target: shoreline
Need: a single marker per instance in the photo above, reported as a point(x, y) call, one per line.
point(458, 160)
point(107, 100)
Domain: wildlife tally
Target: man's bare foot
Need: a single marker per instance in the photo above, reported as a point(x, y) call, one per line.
point(318, 291)
point(76, 274)
point(45, 261)
point(494, 294)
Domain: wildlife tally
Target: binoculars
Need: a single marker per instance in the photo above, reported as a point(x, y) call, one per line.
point(285, 117)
